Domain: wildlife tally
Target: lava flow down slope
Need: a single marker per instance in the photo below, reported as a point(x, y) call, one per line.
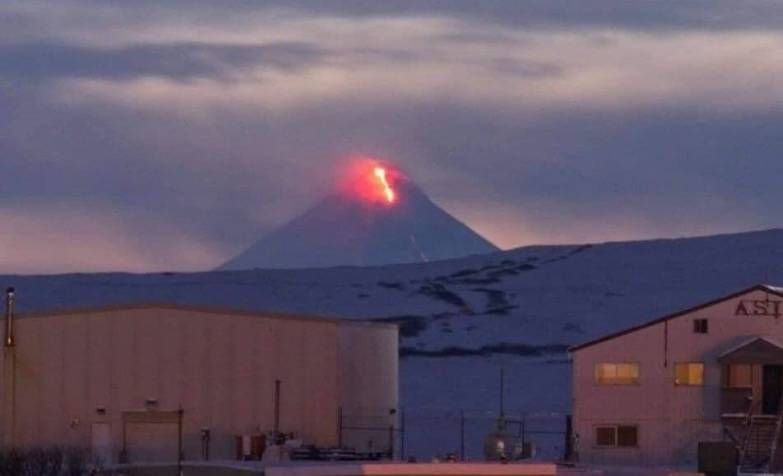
point(376, 216)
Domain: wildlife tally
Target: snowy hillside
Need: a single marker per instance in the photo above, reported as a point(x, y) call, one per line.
point(530, 296)
point(461, 320)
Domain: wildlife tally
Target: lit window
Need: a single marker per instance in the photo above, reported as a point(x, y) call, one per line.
point(617, 374)
point(689, 373)
point(739, 376)
point(623, 436)
point(700, 326)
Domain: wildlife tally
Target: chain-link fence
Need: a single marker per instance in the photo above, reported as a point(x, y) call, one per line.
point(426, 433)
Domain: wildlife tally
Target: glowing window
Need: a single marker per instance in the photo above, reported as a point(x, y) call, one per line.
point(617, 374)
point(689, 373)
point(739, 376)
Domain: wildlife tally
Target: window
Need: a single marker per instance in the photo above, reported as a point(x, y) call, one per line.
point(606, 436)
point(623, 436)
point(617, 374)
point(689, 373)
point(739, 376)
point(700, 326)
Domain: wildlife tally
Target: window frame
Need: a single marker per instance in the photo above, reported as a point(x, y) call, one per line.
point(698, 328)
point(636, 381)
point(688, 384)
point(727, 377)
point(616, 429)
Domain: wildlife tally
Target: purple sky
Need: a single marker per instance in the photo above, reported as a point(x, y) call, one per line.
point(147, 135)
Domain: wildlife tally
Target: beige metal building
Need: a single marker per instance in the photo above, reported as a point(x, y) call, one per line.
point(122, 378)
point(648, 395)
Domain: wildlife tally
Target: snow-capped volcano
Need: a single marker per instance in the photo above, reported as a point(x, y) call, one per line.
point(376, 216)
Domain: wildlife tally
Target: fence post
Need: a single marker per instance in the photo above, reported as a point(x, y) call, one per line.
point(569, 440)
point(402, 434)
point(180, 452)
point(462, 435)
point(277, 408)
point(339, 427)
point(391, 441)
point(523, 429)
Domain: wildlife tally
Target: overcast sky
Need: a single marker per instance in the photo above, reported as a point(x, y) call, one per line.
point(151, 135)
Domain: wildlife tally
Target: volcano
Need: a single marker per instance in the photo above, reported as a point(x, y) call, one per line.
point(377, 216)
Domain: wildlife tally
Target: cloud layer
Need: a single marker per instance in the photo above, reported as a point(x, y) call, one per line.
point(189, 129)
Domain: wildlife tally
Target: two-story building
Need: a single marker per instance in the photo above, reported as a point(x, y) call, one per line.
point(648, 395)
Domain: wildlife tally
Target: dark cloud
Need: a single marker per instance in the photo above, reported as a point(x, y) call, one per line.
point(229, 180)
point(533, 14)
point(660, 14)
point(178, 61)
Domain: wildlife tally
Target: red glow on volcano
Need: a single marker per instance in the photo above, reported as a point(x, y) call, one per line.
point(372, 181)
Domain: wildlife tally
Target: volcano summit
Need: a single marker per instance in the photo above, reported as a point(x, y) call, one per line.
point(377, 216)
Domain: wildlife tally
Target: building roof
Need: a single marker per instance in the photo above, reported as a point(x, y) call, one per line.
point(759, 287)
point(747, 342)
point(755, 350)
point(205, 310)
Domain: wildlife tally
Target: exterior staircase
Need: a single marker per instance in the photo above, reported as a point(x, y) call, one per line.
point(758, 454)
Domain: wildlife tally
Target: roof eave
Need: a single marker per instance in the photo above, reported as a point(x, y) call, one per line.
point(758, 287)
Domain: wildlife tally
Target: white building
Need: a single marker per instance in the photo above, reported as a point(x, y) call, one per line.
point(114, 379)
point(649, 394)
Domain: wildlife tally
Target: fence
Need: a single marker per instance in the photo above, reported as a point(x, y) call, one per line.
point(426, 433)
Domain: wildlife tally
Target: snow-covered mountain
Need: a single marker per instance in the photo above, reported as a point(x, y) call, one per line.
point(463, 319)
point(378, 217)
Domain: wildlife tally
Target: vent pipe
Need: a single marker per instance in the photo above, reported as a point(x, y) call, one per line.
point(9, 317)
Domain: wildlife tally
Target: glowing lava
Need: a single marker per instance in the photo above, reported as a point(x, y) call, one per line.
point(372, 181)
point(380, 174)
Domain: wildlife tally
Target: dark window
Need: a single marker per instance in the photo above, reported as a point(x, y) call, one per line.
point(700, 326)
point(605, 435)
point(627, 436)
point(623, 436)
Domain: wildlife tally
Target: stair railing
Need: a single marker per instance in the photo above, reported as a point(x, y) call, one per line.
point(752, 407)
point(774, 444)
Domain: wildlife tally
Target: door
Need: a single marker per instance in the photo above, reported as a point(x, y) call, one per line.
point(772, 389)
point(101, 442)
point(152, 442)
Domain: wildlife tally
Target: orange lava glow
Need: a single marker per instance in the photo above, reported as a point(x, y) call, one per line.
point(372, 181)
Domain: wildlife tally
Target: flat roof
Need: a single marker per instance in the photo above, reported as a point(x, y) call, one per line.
point(759, 287)
point(205, 310)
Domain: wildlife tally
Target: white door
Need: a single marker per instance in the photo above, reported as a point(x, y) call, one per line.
point(101, 442)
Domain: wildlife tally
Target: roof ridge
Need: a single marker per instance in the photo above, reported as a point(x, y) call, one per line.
point(206, 309)
point(757, 287)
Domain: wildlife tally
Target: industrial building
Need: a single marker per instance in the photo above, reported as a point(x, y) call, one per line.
point(148, 382)
point(712, 373)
